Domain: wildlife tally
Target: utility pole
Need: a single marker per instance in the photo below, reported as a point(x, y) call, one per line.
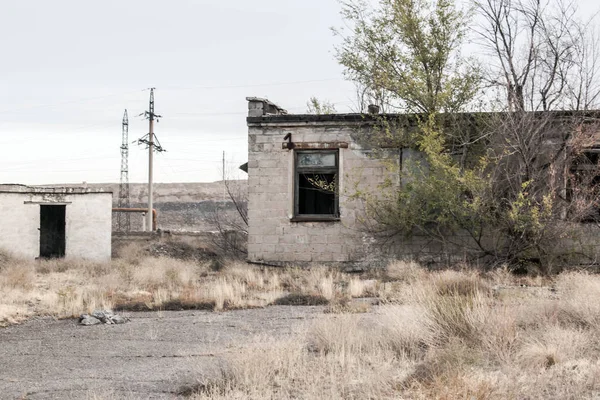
point(151, 141)
point(223, 171)
point(124, 219)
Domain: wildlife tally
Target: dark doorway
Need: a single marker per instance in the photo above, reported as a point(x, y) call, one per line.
point(52, 231)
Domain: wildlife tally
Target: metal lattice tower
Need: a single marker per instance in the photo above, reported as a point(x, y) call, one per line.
point(124, 219)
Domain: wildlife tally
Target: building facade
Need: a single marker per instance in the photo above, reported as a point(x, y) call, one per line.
point(307, 174)
point(303, 174)
point(56, 222)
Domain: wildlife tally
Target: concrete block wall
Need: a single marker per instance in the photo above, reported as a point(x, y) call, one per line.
point(87, 223)
point(273, 237)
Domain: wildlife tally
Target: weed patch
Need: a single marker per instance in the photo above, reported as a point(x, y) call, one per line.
point(300, 299)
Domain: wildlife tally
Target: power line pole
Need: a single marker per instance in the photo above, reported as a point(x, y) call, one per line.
point(124, 219)
point(151, 141)
point(223, 166)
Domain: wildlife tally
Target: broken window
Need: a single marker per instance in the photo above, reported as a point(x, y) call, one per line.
point(583, 189)
point(316, 179)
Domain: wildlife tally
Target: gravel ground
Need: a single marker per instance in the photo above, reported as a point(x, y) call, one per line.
point(151, 357)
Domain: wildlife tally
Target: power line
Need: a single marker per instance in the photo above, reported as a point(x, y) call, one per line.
point(251, 85)
point(174, 88)
point(67, 102)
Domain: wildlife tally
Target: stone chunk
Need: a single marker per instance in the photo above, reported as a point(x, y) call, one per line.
point(117, 319)
point(88, 320)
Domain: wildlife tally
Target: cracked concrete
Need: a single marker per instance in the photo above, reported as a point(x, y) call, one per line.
point(151, 357)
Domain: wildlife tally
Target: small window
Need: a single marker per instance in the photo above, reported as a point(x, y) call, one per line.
point(316, 185)
point(583, 189)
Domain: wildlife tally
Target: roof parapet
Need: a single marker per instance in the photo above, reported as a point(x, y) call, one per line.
point(258, 107)
point(18, 188)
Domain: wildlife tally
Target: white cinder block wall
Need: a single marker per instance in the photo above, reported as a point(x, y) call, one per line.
point(88, 221)
point(89, 226)
point(19, 225)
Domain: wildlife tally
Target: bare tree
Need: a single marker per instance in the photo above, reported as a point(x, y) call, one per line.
point(231, 226)
point(541, 54)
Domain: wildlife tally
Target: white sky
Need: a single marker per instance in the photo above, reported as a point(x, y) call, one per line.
point(69, 68)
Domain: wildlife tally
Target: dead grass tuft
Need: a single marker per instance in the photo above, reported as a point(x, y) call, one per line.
point(17, 276)
point(404, 328)
point(405, 271)
point(299, 299)
point(452, 283)
point(6, 258)
point(554, 345)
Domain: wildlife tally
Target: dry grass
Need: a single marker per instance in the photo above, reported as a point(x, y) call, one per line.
point(452, 334)
point(335, 358)
point(137, 282)
point(439, 335)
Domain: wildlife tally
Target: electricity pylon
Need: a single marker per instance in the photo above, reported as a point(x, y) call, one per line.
point(124, 219)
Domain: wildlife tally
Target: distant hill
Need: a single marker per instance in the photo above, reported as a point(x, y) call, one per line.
point(185, 206)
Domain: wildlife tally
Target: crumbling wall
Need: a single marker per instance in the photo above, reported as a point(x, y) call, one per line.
point(274, 237)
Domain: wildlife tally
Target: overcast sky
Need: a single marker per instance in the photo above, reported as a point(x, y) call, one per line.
point(70, 67)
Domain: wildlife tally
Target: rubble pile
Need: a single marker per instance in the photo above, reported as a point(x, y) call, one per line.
point(101, 317)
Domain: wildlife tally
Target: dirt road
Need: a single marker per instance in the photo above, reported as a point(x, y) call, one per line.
point(151, 357)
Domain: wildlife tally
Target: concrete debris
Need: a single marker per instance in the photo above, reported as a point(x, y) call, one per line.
point(101, 317)
point(88, 320)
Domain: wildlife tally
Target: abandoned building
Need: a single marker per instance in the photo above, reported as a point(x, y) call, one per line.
point(304, 172)
point(292, 220)
point(55, 222)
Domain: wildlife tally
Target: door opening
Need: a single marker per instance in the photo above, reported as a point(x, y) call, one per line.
point(52, 231)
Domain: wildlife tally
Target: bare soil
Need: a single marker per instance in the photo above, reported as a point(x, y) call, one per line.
point(154, 356)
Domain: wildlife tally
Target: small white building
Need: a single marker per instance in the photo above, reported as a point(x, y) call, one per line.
point(54, 222)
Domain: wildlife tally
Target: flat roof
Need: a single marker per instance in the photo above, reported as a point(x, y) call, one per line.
point(354, 118)
point(18, 188)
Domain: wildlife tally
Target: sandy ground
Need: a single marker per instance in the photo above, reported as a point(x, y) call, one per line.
point(151, 357)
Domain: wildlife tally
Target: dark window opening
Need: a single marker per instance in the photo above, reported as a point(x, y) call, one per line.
point(52, 231)
point(316, 192)
point(583, 189)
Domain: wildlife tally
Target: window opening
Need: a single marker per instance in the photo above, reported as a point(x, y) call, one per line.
point(583, 188)
point(316, 184)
